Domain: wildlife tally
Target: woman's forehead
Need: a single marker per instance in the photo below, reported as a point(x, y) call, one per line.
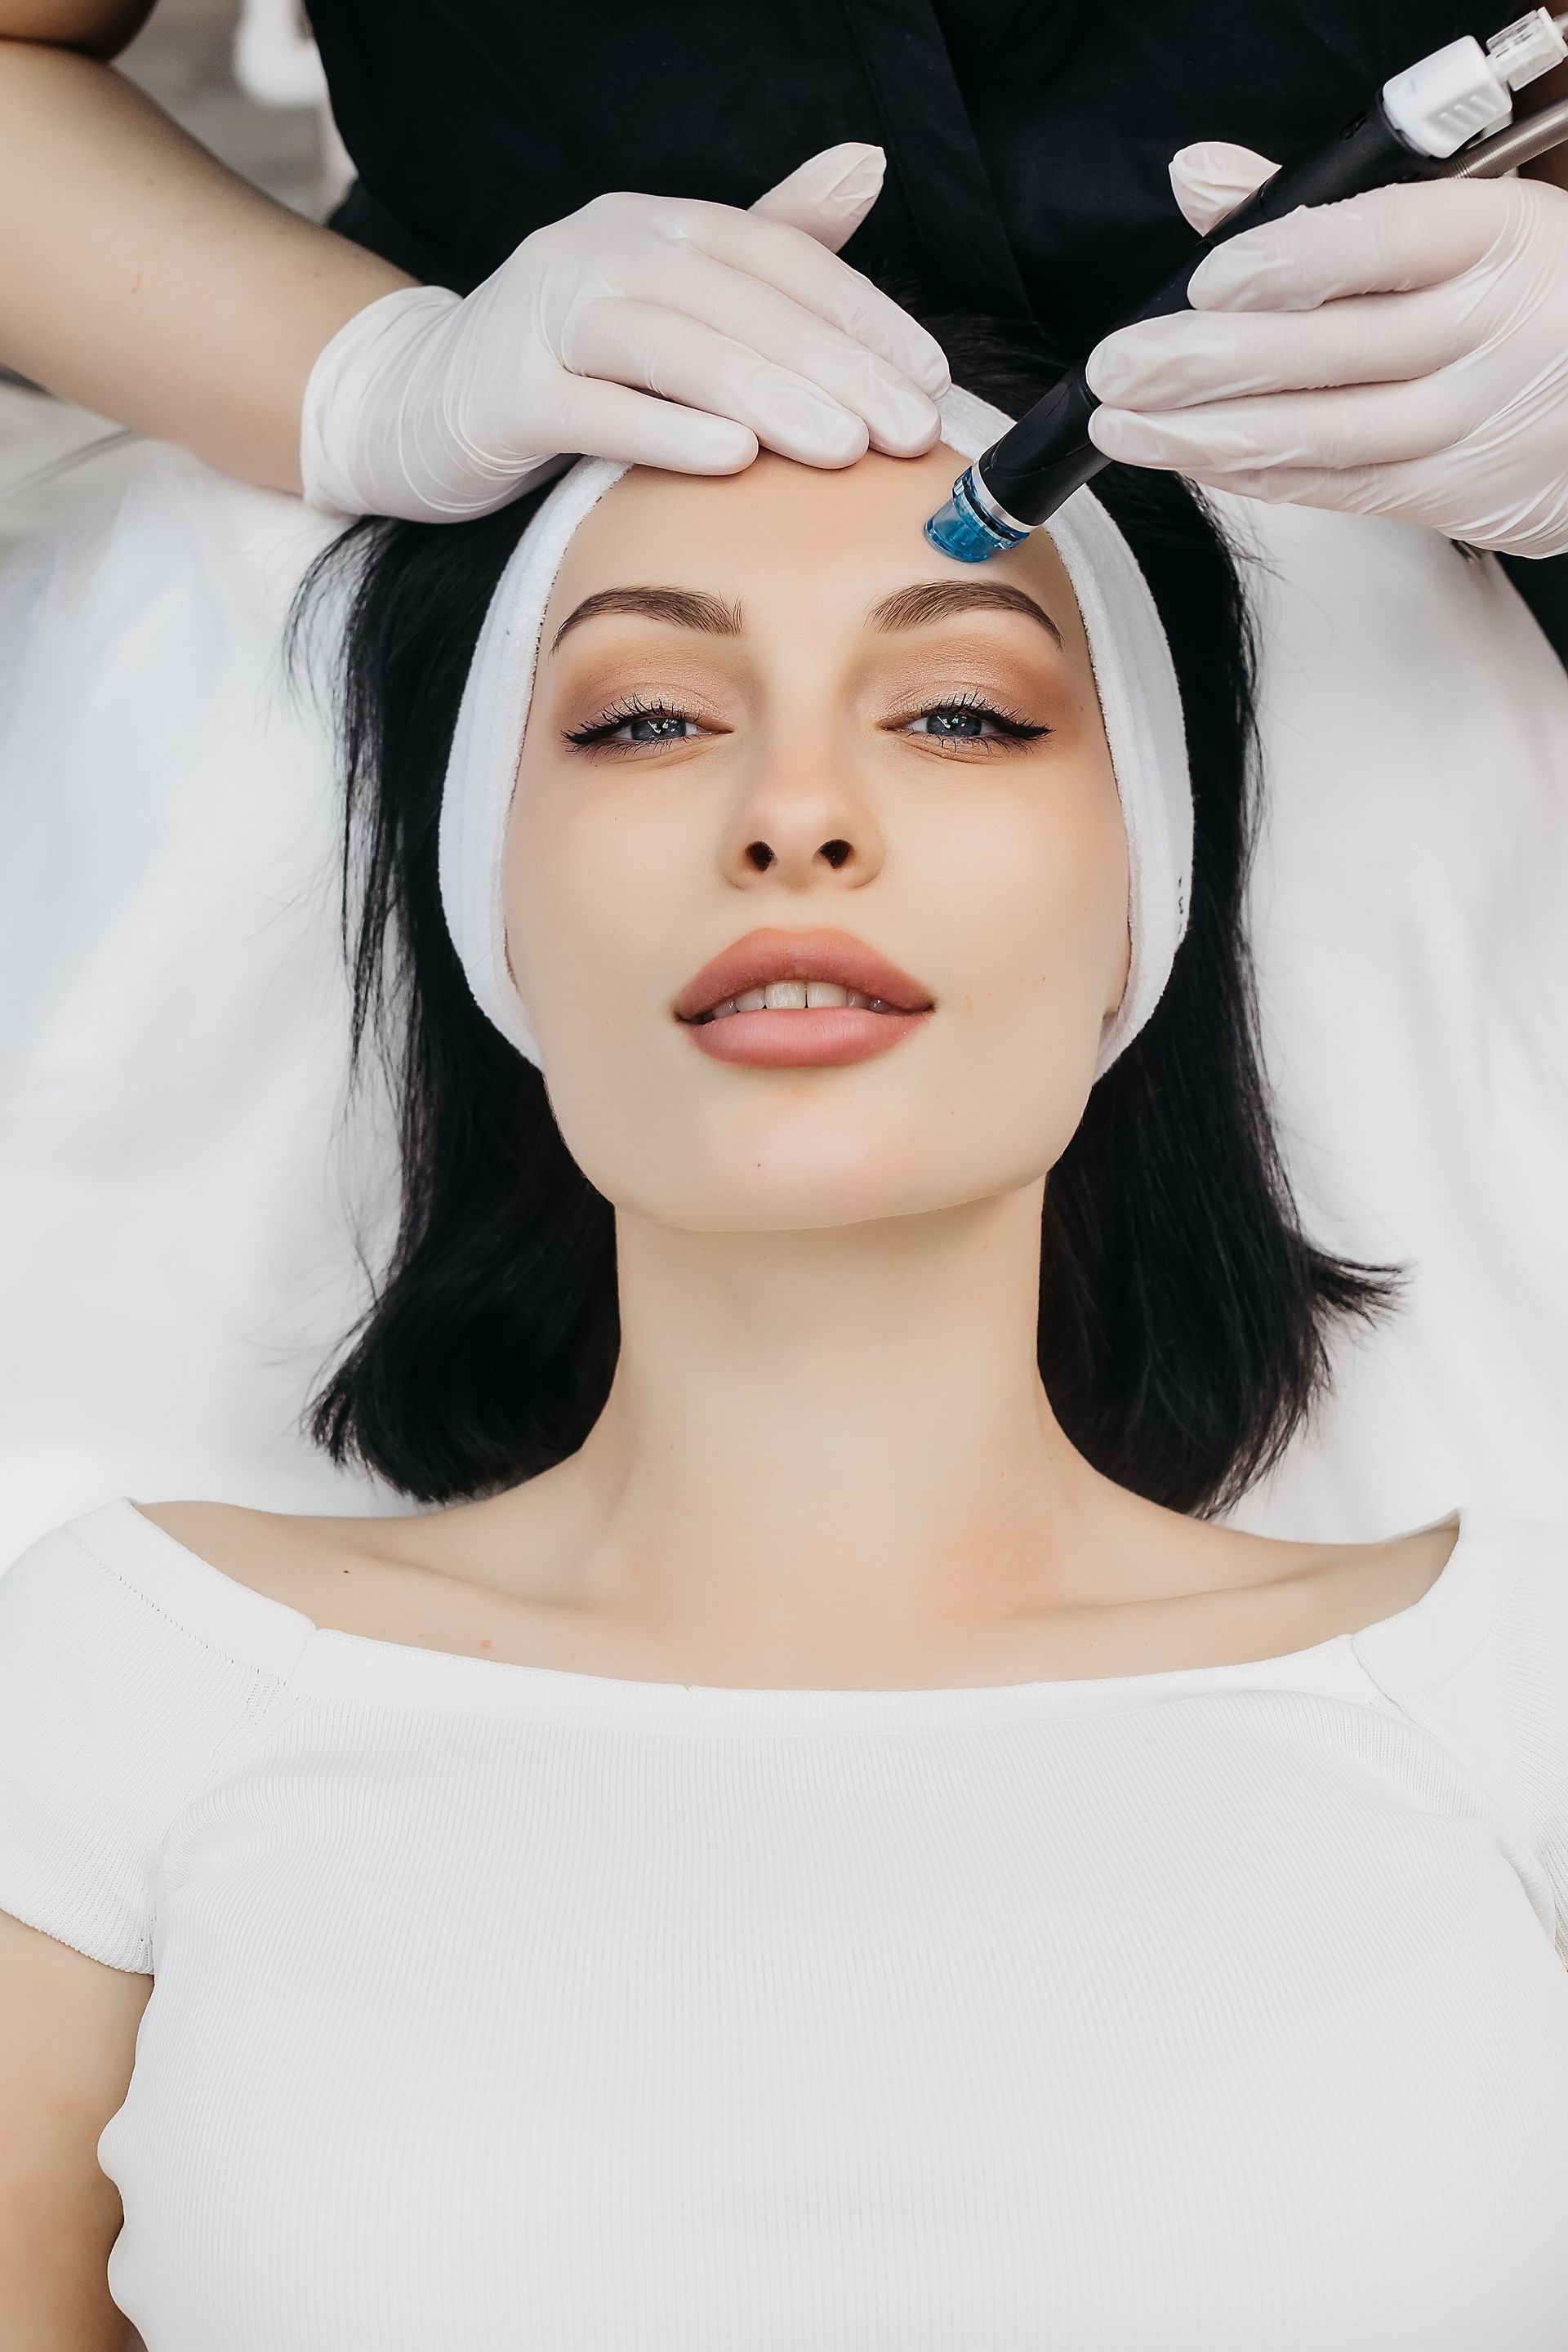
point(786, 534)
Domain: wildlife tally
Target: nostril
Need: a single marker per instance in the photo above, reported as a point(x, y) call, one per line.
point(760, 855)
point(835, 852)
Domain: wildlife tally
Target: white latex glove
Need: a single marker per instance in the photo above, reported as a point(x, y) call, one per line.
point(1404, 352)
point(746, 325)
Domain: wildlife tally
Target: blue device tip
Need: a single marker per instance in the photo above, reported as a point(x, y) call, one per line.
point(961, 531)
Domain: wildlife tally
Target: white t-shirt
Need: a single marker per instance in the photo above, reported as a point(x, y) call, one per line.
point(503, 2007)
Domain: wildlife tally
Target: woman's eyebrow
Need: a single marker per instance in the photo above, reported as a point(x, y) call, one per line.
point(684, 608)
point(938, 600)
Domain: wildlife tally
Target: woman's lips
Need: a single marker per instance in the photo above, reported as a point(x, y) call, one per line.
point(821, 1034)
point(799, 1032)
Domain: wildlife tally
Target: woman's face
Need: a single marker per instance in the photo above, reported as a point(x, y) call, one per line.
point(773, 727)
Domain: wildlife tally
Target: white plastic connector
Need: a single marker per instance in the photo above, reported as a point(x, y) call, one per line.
point(1447, 99)
point(1463, 91)
point(1522, 52)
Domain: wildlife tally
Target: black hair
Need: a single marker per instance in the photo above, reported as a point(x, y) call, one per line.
point(1183, 1311)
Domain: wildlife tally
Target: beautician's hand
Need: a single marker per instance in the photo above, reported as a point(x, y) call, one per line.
point(433, 406)
point(1404, 352)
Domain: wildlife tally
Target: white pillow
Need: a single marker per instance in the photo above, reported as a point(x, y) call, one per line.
point(1410, 923)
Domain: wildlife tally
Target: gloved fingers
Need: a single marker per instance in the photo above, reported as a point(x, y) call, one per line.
point(1365, 425)
point(1528, 520)
point(1384, 242)
point(1346, 489)
point(829, 195)
point(611, 420)
point(798, 266)
point(1201, 355)
point(684, 360)
point(880, 400)
point(1347, 492)
point(1211, 178)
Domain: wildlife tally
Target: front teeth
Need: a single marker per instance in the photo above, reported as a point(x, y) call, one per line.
point(797, 996)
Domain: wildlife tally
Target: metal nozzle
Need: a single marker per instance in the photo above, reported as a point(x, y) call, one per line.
point(1507, 149)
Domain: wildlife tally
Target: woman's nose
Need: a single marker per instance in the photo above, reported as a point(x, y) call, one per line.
point(799, 829)
point(761, 855)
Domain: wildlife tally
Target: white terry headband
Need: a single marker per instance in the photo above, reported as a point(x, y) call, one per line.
point(1133, 673)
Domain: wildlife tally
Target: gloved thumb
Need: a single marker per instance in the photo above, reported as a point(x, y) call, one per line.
point(1212, 177)
point(829, 195)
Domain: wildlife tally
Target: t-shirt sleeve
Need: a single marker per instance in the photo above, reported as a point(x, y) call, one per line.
point(1502, 1706)
point(112, 1713)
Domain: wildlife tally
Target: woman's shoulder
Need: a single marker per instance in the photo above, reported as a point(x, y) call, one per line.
point(1482, 1666)
point(155, 1568)
point(130, 1668)
point(120, 1603)
point(413, 1578)
point(1502, 1590)
point(288, 1560)
point(253, 1583)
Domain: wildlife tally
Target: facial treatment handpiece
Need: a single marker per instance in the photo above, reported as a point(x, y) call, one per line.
point(1442, 119)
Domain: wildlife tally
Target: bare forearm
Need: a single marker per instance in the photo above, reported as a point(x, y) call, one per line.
point(142, 279)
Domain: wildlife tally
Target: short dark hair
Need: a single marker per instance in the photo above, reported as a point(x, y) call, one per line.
point(1183, 1311)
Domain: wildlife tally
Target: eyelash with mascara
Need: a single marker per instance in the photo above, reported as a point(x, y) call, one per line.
point(1014, 729)
point(599, 730)
point(1011, 724)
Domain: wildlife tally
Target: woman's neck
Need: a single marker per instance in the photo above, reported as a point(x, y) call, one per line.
point(828, 1440)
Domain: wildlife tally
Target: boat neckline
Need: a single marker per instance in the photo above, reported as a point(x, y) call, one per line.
point(1425, 1637)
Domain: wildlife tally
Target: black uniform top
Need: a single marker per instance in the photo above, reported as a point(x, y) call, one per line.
point(1028, 140)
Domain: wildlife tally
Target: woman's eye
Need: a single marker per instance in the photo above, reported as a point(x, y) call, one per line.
point(971, 721)
point(963, 723)
point(630, 728)
point(658, 727)
point(636, 726)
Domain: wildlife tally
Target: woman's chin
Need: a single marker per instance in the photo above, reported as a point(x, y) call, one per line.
point(791, 1191)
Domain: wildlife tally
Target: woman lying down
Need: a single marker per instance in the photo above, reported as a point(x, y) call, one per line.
point(809, 1838)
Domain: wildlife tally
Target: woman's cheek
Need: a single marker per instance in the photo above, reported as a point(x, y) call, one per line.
point(584, 889)
point(548, 889)
point(1049, 937)
point(1034, 869)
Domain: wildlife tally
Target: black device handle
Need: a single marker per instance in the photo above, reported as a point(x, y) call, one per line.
point(1020, 470)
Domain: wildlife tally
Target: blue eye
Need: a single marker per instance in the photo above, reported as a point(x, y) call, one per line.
point(971, 721)
point(655, 726)
point(633, 723)
point(966, 725)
